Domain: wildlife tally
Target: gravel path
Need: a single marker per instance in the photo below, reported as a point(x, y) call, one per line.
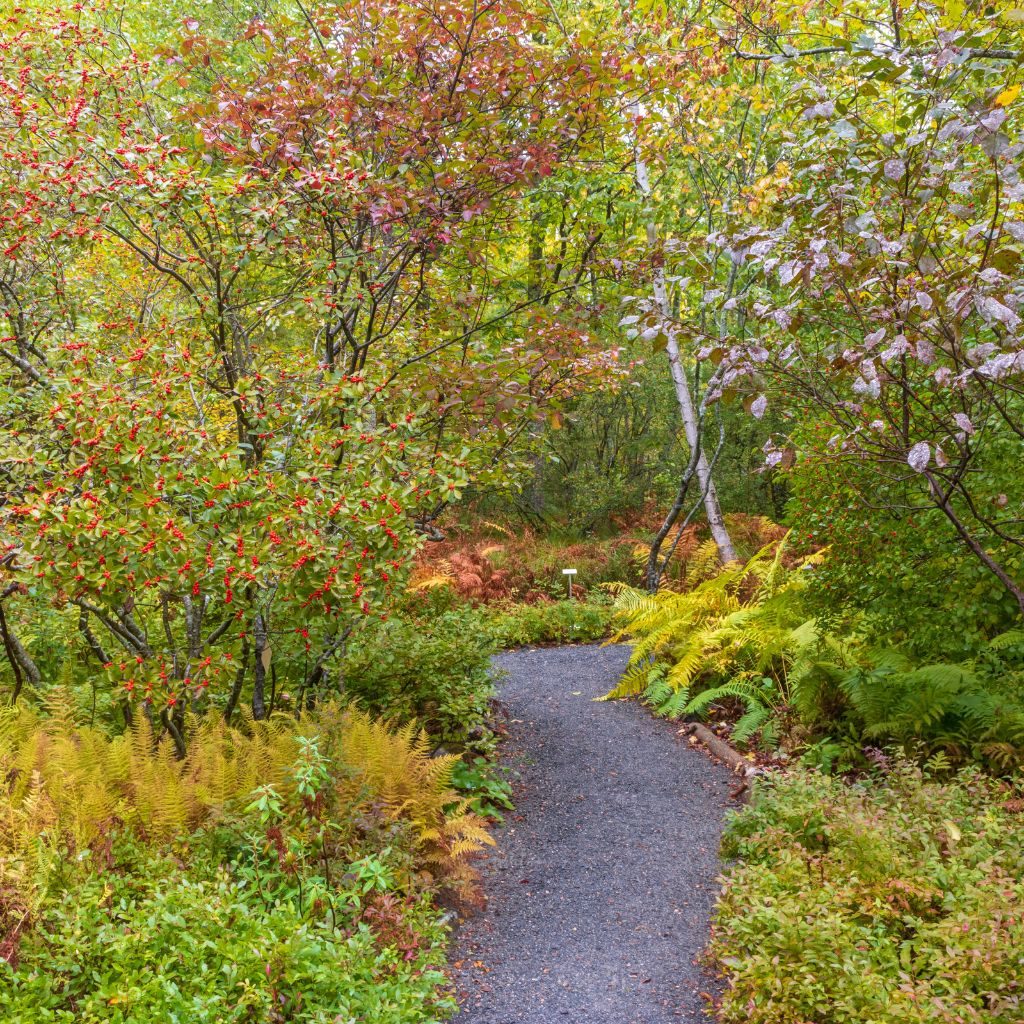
point(600, 890)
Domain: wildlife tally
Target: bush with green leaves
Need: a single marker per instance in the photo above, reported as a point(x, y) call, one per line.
point(898, 566)
point(556, 622)
point(484, 784)
point(128, 936)
point(434, 669)
point(897, 900)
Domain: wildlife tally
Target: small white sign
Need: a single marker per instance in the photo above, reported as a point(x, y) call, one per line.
point(568, 572)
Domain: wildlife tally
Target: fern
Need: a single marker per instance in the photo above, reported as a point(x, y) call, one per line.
point(1012, 638)
point(673, 704)
point(72, 783)
point(943, 708)
point(752, 722)
point(634, 681)
point(703, 564)
point(740, 689)
point(722, 638)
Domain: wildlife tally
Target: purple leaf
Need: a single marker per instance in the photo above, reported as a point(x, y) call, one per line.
point(895, 169)
point(992, 309)
point(1015, 228)
point(919, 456)
point(787, 271)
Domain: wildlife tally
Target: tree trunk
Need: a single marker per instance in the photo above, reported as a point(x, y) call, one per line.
point(22, 664)
point(259, 632)
point(691, 426)
point(534, 490)
point(977, 549)
point(236, 689)
point(687, 407)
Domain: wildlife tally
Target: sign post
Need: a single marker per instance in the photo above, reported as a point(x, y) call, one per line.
point(568, 574)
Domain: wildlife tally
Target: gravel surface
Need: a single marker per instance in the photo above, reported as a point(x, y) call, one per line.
point(600, 890)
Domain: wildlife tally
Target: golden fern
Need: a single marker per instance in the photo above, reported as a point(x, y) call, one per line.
point(703, 564)
point(441, 577)
point(732, 632)
point(73, 783)
point(397, 767)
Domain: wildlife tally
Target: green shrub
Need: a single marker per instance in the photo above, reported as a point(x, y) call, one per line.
point(901, 566)
point(142, 941)
point(434, 669)
point(308, 899)
point(892, 903)
point(557, 622)
point(485, 784)
point(513, 623)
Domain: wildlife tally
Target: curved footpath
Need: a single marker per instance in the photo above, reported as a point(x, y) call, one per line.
point(601, 888)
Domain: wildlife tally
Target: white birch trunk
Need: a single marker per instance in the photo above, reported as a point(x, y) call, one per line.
point(687, 407)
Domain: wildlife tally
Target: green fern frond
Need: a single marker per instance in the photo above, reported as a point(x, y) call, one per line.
point(659, 691)
point(740, 689)
point(675, 705)
point(1011, 638)
point(750, 723)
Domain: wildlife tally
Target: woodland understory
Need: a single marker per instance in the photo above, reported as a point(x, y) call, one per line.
point(333, 331)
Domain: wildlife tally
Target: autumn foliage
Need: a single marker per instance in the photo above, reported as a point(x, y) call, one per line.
point(254, 348)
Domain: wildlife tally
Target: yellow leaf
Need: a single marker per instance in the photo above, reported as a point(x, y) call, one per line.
point(1007, 96)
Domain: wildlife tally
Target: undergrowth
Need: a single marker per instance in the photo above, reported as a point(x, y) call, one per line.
point(284, 870)
point(744, 636)
point(144, 941)
point(431, 665)
point(557, 622)
point(895, 900)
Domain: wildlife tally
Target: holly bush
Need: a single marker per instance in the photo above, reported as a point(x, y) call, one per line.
point(185, 553)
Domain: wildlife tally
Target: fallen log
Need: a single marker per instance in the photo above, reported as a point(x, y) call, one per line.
point(725, 752)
